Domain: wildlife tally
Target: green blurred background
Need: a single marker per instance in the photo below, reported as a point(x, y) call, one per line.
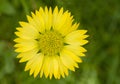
point(100, 17)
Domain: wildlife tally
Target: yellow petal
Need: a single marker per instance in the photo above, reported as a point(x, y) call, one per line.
point(29, 18)
point(30, 62)
point(72, 55)
point(63, 70)
point(39, 64)
point(26, 45)
point(46, 18)
point(39, 19)
point(46, 66)
point(82, 54)
point(28, 26)
point(36, 65)
point(56, 67)
point(76, 49)
point(67, 60)
point(75, 35)
point(41, 72)
point(19, 28)
point(63, 23)
point(49, 19)
point(51, 67)
point(51, 70)
point(74, 27)
point(55, 15)
point(75, 41)
point(25, 56)
point(34, 21)
point(64, 29)
point(27, 31)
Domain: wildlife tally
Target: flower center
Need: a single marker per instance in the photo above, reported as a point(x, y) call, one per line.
point(51, 43)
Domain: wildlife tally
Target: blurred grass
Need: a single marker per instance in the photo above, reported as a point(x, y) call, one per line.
point(100, 17)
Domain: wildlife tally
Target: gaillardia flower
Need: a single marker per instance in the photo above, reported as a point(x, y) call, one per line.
point(50, 43)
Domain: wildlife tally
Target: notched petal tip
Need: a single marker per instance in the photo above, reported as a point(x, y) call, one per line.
point(16, 45)
point(61, 10)
point(55, 10)
point(26, 68)
point(41, 10)
point(29, 18)
point(33, 14)
point(17, 40)
point(46, 9)
point(17, 50)
point(56, 7)
point(22, 23)
point(17, 33)
point(82, 54)
point(86, 36)
point(21, 60)
point(36, 12)
point(18, 56)
point(50, 9)
point(18, 28)
point(35, 75)
point(85, 31)
point(87, 41)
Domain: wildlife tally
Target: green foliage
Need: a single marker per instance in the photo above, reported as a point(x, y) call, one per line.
point(100, 17)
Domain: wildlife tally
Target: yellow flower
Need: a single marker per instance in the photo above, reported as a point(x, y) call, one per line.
point(50, 43)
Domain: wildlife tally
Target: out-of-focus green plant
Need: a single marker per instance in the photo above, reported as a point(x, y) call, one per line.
point(100, 18)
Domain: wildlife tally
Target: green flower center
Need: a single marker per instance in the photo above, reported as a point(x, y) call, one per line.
point(51, 43)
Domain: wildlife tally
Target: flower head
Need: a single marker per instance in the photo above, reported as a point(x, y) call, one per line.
point(50, 43)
